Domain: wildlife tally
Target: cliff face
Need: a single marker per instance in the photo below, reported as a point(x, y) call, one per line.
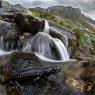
point(65, 12)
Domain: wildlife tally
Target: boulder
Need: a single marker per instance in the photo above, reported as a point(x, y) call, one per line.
point(28, 23)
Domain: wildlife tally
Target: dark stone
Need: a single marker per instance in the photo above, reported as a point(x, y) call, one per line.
point(28, 23)
point(24, 67)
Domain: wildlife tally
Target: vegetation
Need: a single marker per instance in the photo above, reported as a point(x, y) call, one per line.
point(71, 24)
point(92, 50)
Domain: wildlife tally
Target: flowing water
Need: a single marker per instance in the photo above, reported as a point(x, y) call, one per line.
point(50, 47)
point(8, 37)
point(56, 34)
point(46, 29)
point(43, 43)
point(62, 49)
point(2, 52)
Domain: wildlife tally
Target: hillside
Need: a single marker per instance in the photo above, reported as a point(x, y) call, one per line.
point(72, 19)
point(65, 12)
point(71, 15)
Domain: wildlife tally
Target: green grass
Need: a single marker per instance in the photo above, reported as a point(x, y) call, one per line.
point(85, 23)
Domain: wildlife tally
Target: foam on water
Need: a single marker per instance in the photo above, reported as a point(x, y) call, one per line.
point(4, 52)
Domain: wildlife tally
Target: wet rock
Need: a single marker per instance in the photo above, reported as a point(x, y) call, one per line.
point(9, 36)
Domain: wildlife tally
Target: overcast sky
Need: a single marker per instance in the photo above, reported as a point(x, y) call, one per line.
point(86, 6)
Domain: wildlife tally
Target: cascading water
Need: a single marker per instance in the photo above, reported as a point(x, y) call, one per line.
point(8, 37)
point(62, 49)
point(47, 46)
point(56, 34)
point(50, 47)
point(4, 47)
point(41, 43)
point(46, 27)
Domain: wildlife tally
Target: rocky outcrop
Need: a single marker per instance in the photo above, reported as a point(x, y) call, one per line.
point(27, 23)
point(23, 66)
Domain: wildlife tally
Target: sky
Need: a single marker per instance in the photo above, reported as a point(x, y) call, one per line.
point(86, 6)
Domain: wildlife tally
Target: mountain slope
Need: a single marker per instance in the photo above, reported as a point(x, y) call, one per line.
point(65, 12)
point(66, 16)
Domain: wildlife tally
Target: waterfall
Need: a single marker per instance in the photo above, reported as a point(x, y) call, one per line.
point(46, 45)
point(8, 37)
point(50, 46)
point(41, 43)
point(62, 49)
point(2, 52)
point(4, 46)
point(46, 27)
point(56, 34)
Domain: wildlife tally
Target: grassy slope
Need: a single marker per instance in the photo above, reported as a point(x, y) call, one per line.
point(86, 24)
point(71, 24)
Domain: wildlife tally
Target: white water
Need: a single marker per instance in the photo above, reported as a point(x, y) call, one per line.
point(63, 36)
point(62, 49)
point(6, 32)
point(45, 59)
point(41, 43)
point(46, 29)
point(2, 47)
point(2, 52)
point(46, 45)
point(60, 46)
